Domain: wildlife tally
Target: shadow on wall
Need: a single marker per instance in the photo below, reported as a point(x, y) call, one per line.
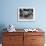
point(2, 26)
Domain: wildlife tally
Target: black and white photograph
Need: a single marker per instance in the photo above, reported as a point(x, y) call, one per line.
point(26, 14)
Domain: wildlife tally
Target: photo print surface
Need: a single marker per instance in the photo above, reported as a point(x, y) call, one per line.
point(26, 14)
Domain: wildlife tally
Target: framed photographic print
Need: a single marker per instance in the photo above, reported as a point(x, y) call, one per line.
point(26, 14)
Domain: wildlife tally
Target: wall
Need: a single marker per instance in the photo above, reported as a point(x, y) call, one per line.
point(8, 15)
